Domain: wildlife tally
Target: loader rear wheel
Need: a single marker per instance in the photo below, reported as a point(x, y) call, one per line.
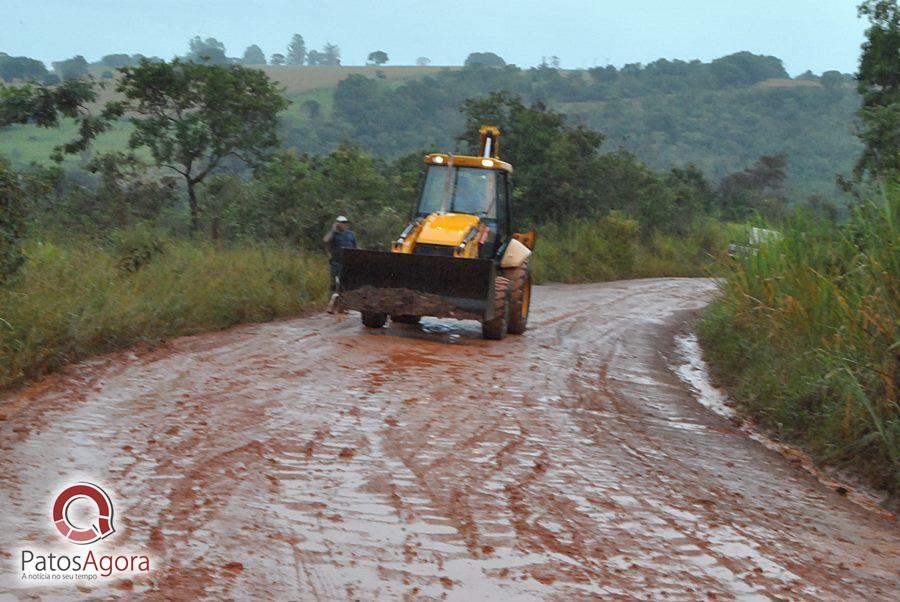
point(496, 329)
point(373, 319)
point(405, 319)
point(519, 298)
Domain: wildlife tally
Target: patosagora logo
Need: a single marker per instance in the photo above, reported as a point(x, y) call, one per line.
point(60, 563)
point(75, 534)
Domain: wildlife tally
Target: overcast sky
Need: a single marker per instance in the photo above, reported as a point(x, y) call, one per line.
point(807, 34)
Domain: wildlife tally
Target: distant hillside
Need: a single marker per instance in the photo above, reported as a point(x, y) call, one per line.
point(720, 115)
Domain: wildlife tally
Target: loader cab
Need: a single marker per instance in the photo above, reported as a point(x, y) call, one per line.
point(466, 185)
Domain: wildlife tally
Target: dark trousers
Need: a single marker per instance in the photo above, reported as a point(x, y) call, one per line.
point(335, 274)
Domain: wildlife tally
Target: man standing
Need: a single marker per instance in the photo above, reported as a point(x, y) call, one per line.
point(340, 237)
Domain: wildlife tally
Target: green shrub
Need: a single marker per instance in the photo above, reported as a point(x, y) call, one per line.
point(72, 299)
point(807, 337)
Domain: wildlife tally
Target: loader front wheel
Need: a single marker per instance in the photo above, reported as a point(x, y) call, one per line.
point(496, 329)
point(405, 319)
point(373, 319)
point(519, 298)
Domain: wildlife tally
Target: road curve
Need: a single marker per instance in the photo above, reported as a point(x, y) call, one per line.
point(315, 459)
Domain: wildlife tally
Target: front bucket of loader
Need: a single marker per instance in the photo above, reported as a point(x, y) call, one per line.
point(418, 285)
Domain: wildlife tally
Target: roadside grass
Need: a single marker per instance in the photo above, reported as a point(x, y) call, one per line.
point(78, 297)
point(806, 336)
point(613, 248)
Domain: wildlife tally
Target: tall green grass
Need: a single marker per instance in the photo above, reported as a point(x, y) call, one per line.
point(806, 335)
point(78, 298)
point(75, 298)
point(613, 248)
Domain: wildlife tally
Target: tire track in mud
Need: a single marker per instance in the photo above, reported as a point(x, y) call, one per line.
point(315, 459)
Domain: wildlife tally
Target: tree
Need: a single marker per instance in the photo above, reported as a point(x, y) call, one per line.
point(423, 61)
point(73, 68)
point(355, 97)
point(44, 105)
point(379, 57)
point(746, 68)
point(192, 117)
point(313, 108)
point(331, 55)
point(296, 51)
point(314, 57)
point(484, 59)
point(277, 59)
point(116, 61)
point(21, 68)
point(757, 189)
point(253, 56)
point(878, 81)
point(12, 223)
point(210, 51)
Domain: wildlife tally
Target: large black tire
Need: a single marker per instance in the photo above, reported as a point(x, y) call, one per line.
point(519, 298)
point(373, 319)
point(405, 319)
point(496, 329)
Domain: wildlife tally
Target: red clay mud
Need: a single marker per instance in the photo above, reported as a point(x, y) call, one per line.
point(316, 459)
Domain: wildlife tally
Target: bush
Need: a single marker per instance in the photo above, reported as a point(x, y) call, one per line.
point(12, 223)
point(806, 337)
point(136, 247)
point(611, 248)
point(72, 299)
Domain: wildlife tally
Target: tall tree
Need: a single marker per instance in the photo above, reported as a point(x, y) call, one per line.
point(73, 68)
point(331, 55)
point(253, 56)
point(191, 117)
point(21, 68)
point(296, 51)
point(378, 57)
point(210, 51)
point(878, 81)
point(484, 59)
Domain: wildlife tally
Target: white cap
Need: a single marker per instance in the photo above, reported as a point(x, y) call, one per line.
point(341, 219)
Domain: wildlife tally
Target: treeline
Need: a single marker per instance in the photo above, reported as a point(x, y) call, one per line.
point(561, 170)
point(720, 116)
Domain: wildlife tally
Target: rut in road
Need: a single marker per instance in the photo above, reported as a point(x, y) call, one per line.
point(314, 459)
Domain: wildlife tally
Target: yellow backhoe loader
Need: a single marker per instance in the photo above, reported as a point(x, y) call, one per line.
point(459, 256)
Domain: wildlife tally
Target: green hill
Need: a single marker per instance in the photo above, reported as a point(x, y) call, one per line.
point(720, 116)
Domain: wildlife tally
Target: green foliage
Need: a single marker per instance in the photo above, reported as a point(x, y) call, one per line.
point(807, 333)
point(73, 300)
point(484, 59)
point(612, 248)
point(296, 54)
point(44, 105)
point(117, 61)
point(21, 68)
point(192, 117)
point(668, 113)
point(13, 217)
point(378, 57)
point(745, 68)
point(71, 69)
point(253, 55)
point(757, 190)
point(209, 51)
point(136, 247)
point(878, 82)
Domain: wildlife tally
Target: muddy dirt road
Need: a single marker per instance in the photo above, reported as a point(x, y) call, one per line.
point(313, 459)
